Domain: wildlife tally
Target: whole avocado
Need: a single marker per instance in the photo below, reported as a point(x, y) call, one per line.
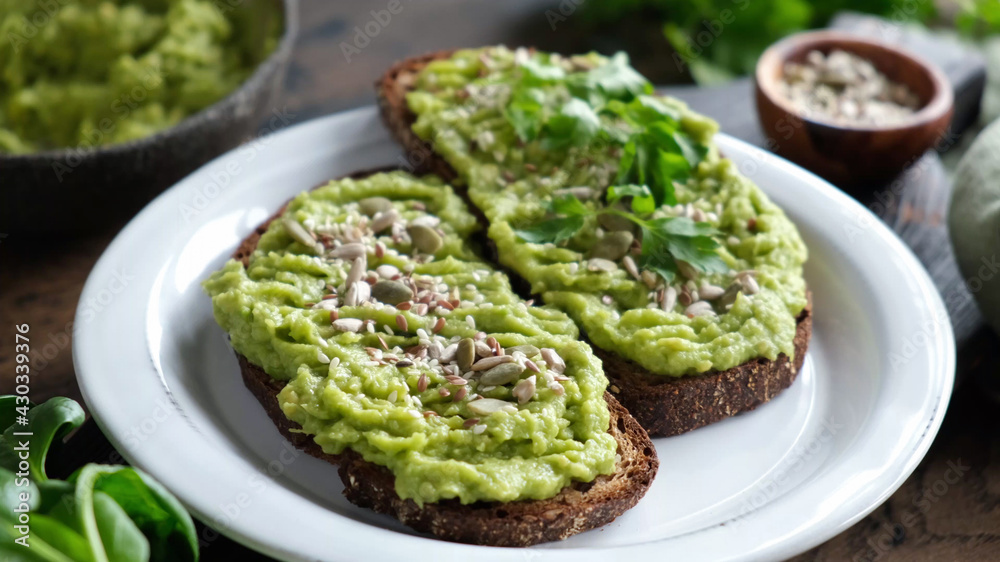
point(974, 221)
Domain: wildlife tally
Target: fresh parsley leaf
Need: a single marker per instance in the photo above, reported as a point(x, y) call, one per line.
point(524, 112)
point(575, 124)
point(538, 68)
point(569, 205)
point(684, 240)
point(555, 230)
point(642, 198)
point(615, 80)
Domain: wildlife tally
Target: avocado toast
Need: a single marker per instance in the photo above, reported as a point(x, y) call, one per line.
point(376, 339)
point(616, 207)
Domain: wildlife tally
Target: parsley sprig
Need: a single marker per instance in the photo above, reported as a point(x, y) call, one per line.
point(665, 240)
point(655, 153)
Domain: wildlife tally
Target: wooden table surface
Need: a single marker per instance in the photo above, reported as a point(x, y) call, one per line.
point(949, 509)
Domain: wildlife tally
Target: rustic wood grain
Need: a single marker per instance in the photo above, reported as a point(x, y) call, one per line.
point(41, 279)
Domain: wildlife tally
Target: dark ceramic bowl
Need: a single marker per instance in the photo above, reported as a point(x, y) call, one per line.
point(848, 156)
point(81, 190)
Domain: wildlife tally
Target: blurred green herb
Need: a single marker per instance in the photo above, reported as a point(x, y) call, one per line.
point(719, 39)
point(99, 514)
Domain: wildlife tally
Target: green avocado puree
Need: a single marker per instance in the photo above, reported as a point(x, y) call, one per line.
point(85, 73)
point(377, 392)
point(462, 106)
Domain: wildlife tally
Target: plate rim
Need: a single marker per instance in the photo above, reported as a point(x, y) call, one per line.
point(87, 358)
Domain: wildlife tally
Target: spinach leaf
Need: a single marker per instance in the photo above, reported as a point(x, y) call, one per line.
point(47, 422)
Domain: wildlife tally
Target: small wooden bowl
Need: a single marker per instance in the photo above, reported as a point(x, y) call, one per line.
point(848, 156)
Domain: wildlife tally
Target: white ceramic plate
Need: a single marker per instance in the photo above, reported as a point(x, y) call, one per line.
point(164, 385)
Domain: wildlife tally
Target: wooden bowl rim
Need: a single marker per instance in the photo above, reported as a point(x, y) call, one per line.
point(771, 63)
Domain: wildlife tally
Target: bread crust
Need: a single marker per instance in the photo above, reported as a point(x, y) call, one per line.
point(577, 508)
point(663, 405)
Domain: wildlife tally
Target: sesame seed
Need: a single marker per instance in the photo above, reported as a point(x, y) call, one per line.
point(478, 429)
point(470, 321)
point(392, 396)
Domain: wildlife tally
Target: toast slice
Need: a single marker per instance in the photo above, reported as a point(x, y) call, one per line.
point(577, 508)
point(663, 405)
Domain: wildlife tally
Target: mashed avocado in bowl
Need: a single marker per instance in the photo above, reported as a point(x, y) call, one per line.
point(103, 104)
point(79, 73)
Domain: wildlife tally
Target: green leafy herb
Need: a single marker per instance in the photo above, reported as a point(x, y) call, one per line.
point(664, 240)
point(100, 514)
point(615, 80)
point(575, 124)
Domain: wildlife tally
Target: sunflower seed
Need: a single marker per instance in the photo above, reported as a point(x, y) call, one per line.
point(357, 294)
point(358, 269)
point(351, 251)
point(490, 362)
point(384, 220)
point(700, 308)
point(553, 360)
point(669, 298)
point(630, 267)
point(387, 271)
point(483, 349)
point(580, 192)
point(528, 350)
point(300, 234)
point(710, 292)
point(750, 286)
point(524, 390)
point(487, 406)
point(348, 324)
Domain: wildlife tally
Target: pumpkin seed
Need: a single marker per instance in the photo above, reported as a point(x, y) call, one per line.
point(465, 354)
point(613, 246)
point(372, 205)
point(487, 406)
point(425, 238)
point(528, 350)
point(615, 223)
point(391, 292)
point(601, 264)
point(501, 374)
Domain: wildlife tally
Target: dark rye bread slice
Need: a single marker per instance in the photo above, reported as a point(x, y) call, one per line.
point(663, 405)
point(579, 507)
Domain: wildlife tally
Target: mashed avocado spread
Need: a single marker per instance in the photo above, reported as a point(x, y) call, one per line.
point(616, 206)
point(84, 73)
point(399, 343)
